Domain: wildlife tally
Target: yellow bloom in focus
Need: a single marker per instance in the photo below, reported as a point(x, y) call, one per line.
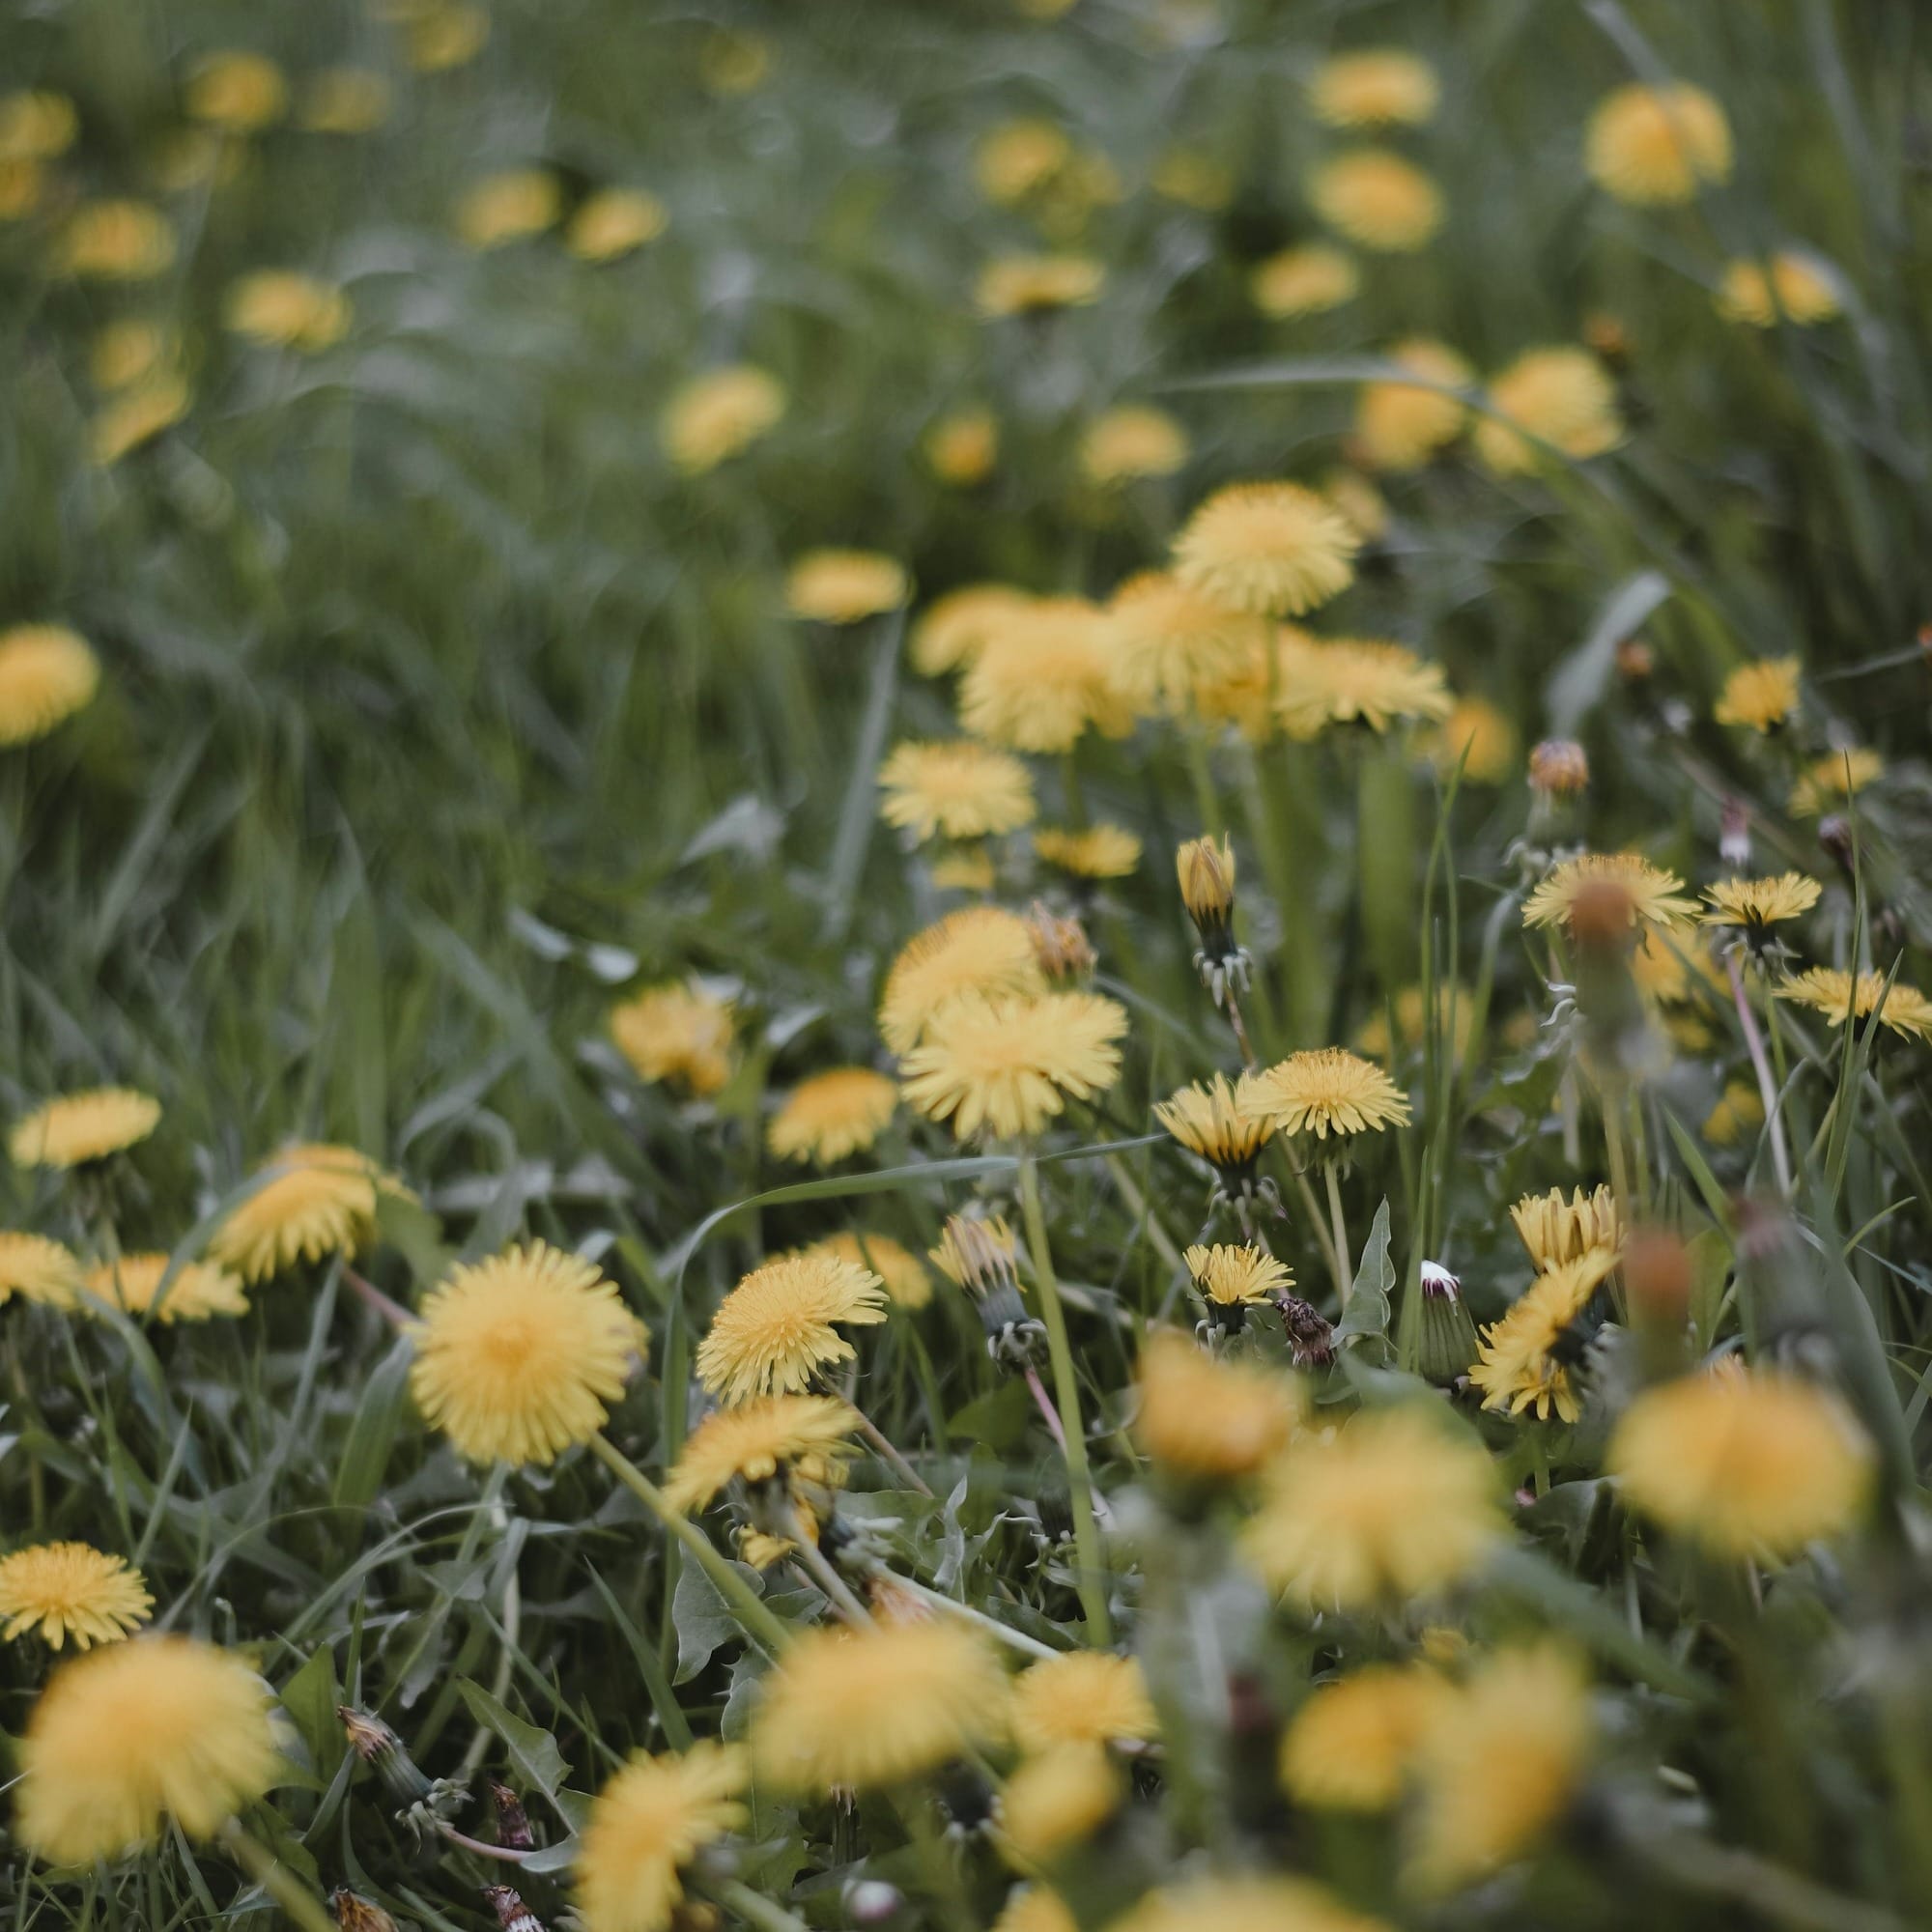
point(61, 1590)
point(1017, 158)
point(1194, 180)
point(1394, 1505)
point(1235, 1276)
point(1377, 88)
point(1359, 680)
point(1794, 290)
point(1045, 674)
point(832, 1115)
point(1082, 1697)
point(314, 1199)
point(1031, 284)
point(1502, 1766)
point(871, 1708)
point(1517, 1365)
point(1057, 1800)
point(198, 1292)
point(1655, 897)
point(1653, 146)
point(1760, 697)
point(1555, 1230)
point(775, 1330)
point(116, 241)
point(1272, 549)
point(38, 1270)
point(1825, 784)
point(447, 35)
point(1308, 280)
point(1171, 641)
point(956, 628)
point(508, 207)
point(719, 414)
point(961, 448)
point(907, 1283)
point(676, 1033)
point(841, 586)
point(1209, 1421)
point(954, 788)
point(238, 93)
point(615, 222)
point(982, 950)
point(135, 1734)
point(287, 310)
point(1561, 397)
point(1399, 426)
point(81, 1127)
point(1738, 1111)
point(1377, 200)
point(1007, 1063)
point(1219, 1123)
point(37, 125)
point(1833, 994)
point(47, 674)
point(1095, 852)
point(1478, 736)
point(1353, 1745)
point(128, 352)
point(1244, 1905)
point(651, 1819)
point(1131, 442)
point(1326, 1090)
point(136, 416)
point(751, 1441)
point(519, 1356)
point(345, 100)
point(1753, 904)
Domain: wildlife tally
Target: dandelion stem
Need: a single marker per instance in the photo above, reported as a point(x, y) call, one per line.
point(1054, 1426)
point(1343, 1264)
point(746, 1606)
point(877, 1438)
point(274, 1878)
point(1324, 1238)
point(1005, 1633)
point(1074, 1441)
point(1611, 1102)
point(1767, 1089)
point(807, 1556)
point(1139, 1206)
point(372, 1296)
point(1240, 1030)
point(735, 1895)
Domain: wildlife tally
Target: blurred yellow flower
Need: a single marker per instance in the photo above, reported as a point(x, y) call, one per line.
point(1373, 1038)
point(283, 309)
point(1554, 1230)
point(1796, 290)
point(61, 1590)
point(1017, 158)
point(1100, 851)
point(1836, 996)
point(1031, 284)
point(1739, 1109)
point(1359, 680)
point(1272, 549)
point(1399, 426)
point(1193, 179)
point(1376, 88)
point(306, 1200)
point(116, 241)
point(237, 92)
point(1478, 737)
point(508, 207)
point(1377, 200)
point(1520, 1362)
point(128, 352)
point(615, 222)
point(1055, 1799)
point(676, 1033)
point(1657, 145)
point(751, 1441)
point(137, 416)
point(1243, 1905)
point(447, 35)
point(1204, 1420)
point(1827, 784)
point(1357, 502)
point(907, 1283)
point(720, 413)
point(955, 628)
point(954, 788)
point(345, 100)
point(1045, 672)
point(1761, 696)
point(47, 674)
point(982, 950)
point(1245, 696)
point(82, 1128)
point(962, 447)
point(1653, 896)
point(197, 1292)
point(832, 1115)
point(733, 62)
point(844, 587)
point(38, 1270)
point(1082, 1697)
point(1033, 1907)
point(1172, 642)
point(650, 1820)
point(37, 125)
point(1353, 1745)
point(22, 187)
point(777, 1327)
point(1326, 1090)
point(1131, 442)
point(1561, 397)
point(1304, 281)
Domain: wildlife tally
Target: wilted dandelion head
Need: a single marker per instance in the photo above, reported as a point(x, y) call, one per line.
point(1651, 895)
point(1760, 697)
point(676, 1033)
point(1100, 851)
point(1055, 1798)
point(78, 1128)
point(871, 1708)
point(982, 950)
point(39, 1270)
point(1378, 87)
point(955, 628)
point(36, 126)
point(1244, 1905)
point(345, 100)
point(754, 1441)
point(1268, 548)
point(1558, 768)
point(1520, 1360)
point(1045, 672)
point(198, 1292)
point(1561, 397)
point(615, 222)
point(1399, 425)
point(1753, 904)
point(832, 1115)
point(1326, 1090)
point(1377, 200)
point(1396, 1504)
point(842, 587)
point(716, 416)
point(1034, 284)
point(962, 446)
point(137, 416)
point(645, 1824)
point(906, 1282)
point(1172, 642)
point(61, 1590)
point(1308, 280)
point(138, 1733)
point(1210, 1421)
point(519, 1356)
point(446, 34)
point(1839, 997)
point(1795, 290)
point(1555, 1230)
point(1007, 1063)
point(47, 674)
point(236, 92)
point(954, 788)
point(1824, 784)
point(1232, 1275)
point(1218, 1121)
point(508, 207)
point(1477, 737)
point(1353, 1745)
point(314, 1199)
point(1131, 442)
point(777, 1327)
point(287, 310)
point(1082, 1697)
point(116, 241)
point(1359, 681)
point(1655, 145)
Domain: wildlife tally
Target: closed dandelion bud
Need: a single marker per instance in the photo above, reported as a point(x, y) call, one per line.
point(1448, 1341)
point(513, 1825)
point(356, 1915)
point(512, 1913)
point(378, 1745)
point(981, 1256)
point(1558, 768)
point(1207, 872)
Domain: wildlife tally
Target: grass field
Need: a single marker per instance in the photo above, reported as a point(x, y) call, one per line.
point(548, 548)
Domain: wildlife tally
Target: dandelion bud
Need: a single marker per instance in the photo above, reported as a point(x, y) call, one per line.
point(356, 1915)
point(512, 1913)
point(1448, 1344)
point(377, 1745)
point(1061, 946)
point(1608, 338)
point(1558, 768)
point(1734, 838)
point(1207, 872)
point(1636, 660)
point(982, 1258)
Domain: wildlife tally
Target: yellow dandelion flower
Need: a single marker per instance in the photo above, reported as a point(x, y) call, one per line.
point(1095, 852)
point(1055, 1799)
point(345, 100)
point(842, 587)
point(1245, 698)
point(615, 222)
point(1824, 786)
point(676, 1033)
point(1795, 290)
point(314, 1199)
point(1210, 1421)
point(1220, 1123)
point(1308, 280)
point(1194, 180)
point(1738, 1111)
point(751, 1441)
point(1327, 1090)
point(1653, 146)
point(447, 35)
point(22, 187)
point(832, 1115)
point(1032, 284)
point(1234, 1276)
point(954, 788)
point(239, 93)
point(1082, 1697)
point(81, 1127)
point(1007, 1063)
point(962, 446)
point(198, 1292)
point(1045, 674)
point(1654, 895)
point(1129, 443)
point(135, 1734)
point(1394, 1505)
point(189, 159)
point(956, 628)
point(1359, 680)
point(735, 63)
point(117, 241)
point(1502, 1766)
point(982, 950)
point(1760, 697)
point(286, 310)
point(966, 868)
point(1399, 425)
point(518, 1357)
point(1379, 87)
point(1478, 737)
point(1244, 1905)
point(61, 1590)
point(1033, 1907)
point(1266, 547)
point(1518, 1363)
point(47, 674)
point(1756, 903)
point(1561, 397)
point(1172, 642)
point(871, 1708)
point(37, 125)
point(508, 207)
point(775, 1330)
point(1555, 1230)
point(717, 415)
point(1354, 1745)
point(649, 1822)
point(128, 352)
point(1358, 502)
point(907, 1283)
point(1834, 994)
point(136, 416)
point(1017, 158)
point(38, 1270)
point(1377, 200)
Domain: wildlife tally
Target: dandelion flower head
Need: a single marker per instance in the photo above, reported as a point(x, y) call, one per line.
point(1219, 1122)
point(116, 241)
point(1172, 642)
point(1205, 1420)
point(1360, 680)
point(1095, 852)
point(1266, 547)
point(38, 1270)
point(1133, 440)
point(508, 207)
point(1653, 146)
point(1308, 280)
point(954, 788)
point(844, 587)
point(676, 1033)
point(1046, 674)
point(1327, 1090)
point(1795, 290)
point(779, 1327)
point(82, 1128)
point(753, 1441)
point(47, 674)
point(646, 1824)
point(1557, 396)
point(1760, 697)
point(1655, 898)
point(982, 950)
point(1032, 284)
point(1555, 1230)
point(198, 1292)
point(1234, 1275)
point(1753, 904)
point(61, 1590)
point(717, 415)
point(1399, 426)
point(1377, 200)
point(1519, 1360)
point(1836, 995)
point(1244, 1905)
point(832, 1115)
point(286, 310)
point(307, 1201)
point(1082, 1697)
point(1353, 1745)
point(955, 628)
point(615, 222)
point(236, 92)
point(906, 1282)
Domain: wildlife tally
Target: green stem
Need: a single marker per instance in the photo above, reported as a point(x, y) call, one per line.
point(1324, 1238)
point(1079, 1482)
point(1003, 1633)
point(1611, 1103)
point(811, 1559)
point(735, 1895)
point(276, 1879)
point(746, 1606)
point(897, 1463)
point(1344, 1263)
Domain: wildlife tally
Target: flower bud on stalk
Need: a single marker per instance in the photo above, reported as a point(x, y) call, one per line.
point(1448, 1334)
point(1207, 872)
point(981, 1256)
